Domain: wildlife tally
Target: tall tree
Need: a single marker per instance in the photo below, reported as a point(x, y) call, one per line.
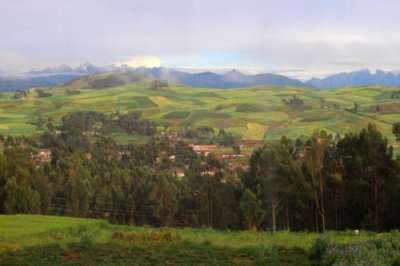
point(396, 130)
point(251, 210)
point(314, 162)
point(163, 197)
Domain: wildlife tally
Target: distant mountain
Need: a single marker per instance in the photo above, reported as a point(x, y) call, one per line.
point(357, 78)
point(51, 76)
point(13, 83)
point(84, 69)
point(61, 69)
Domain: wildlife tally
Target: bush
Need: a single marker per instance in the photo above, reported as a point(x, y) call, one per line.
point(396, 261)
point(377, 251)
point(86, 242)
point(319, 248)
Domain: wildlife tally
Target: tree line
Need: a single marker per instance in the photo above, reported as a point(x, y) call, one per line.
point(130, 123)
point(316, 183)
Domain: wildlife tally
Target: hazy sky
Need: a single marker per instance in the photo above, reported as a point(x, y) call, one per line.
point(300, 38)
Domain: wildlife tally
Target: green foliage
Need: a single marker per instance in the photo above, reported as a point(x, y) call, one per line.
point(164, 202)
point(395, 95)
point(376, 251)
point(294, 101)
point(130, 123)
point(396, 130)
point(43, 94)
point(251, 209)
point(20, 197)
point(158, 85)
point(342, 182)
point(319, 248)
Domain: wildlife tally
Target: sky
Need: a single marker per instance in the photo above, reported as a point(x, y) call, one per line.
point(298, 38)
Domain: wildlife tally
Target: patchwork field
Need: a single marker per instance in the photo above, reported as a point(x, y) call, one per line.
point(249, 113)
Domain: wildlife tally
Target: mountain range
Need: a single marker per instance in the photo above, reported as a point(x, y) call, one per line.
point(51, 76)
point(357, 78)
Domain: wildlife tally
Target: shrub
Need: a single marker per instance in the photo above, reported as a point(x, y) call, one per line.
point(319, 248)
point(377, 251)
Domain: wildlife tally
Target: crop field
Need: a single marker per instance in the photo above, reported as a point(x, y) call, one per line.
point(255, 131)
point(234, 110)
point(39, 240)
point(160, 100)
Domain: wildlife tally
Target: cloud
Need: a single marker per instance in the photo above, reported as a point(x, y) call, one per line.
point(11, 61)
point(142, 61)
point(312, 35)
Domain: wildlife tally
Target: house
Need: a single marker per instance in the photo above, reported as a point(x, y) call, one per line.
point(42, 156)
point(179, 172)
point(229, 156)
point(122, 154)
point(172, 158)
point(206, 149)
point(209, 173)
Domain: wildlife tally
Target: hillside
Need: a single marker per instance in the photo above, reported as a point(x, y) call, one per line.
point(236, 111)
point(52, 240)
point(51, 76)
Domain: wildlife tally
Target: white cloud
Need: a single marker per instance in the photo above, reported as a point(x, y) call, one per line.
point(142, 61)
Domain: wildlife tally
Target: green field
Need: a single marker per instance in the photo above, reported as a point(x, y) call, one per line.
point(52, 240)
point(233, 110)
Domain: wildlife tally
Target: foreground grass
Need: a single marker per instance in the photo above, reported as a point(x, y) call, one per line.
point(50, 240)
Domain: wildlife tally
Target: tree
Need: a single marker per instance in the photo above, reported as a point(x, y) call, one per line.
point(251, 209)
point(78, 187)
point(376, 156)
point(274, 172)
point(20, 197)
point(163, 199)
point(314, 162)
point(396, 130)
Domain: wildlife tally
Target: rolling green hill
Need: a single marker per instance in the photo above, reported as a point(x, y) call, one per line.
point(265, 109)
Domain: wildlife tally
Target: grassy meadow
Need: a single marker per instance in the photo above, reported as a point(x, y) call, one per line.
point(257, 113)
point(51, 240)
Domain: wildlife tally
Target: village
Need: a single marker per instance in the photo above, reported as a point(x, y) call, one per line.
point(232, 158)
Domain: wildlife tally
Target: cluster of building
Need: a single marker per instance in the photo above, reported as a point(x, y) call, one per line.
point(206, 149)
point(233, 160)
point(42, 156)
point(45, 156)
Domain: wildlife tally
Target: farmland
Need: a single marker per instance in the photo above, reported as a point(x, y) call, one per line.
point(36, 239)
point(249, 113)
